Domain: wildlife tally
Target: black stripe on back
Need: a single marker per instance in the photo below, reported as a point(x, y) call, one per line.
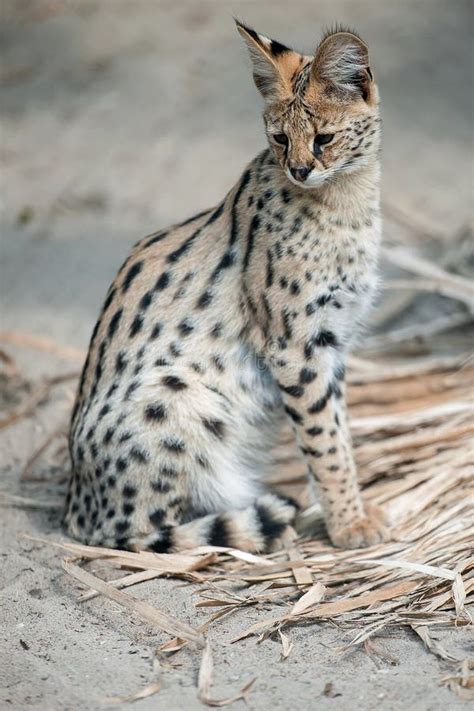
point(187, 244)
point(234, 231)
point(254, 225)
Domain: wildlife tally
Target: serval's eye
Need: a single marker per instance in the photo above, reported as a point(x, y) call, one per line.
point(322, 138)
point(281, 138)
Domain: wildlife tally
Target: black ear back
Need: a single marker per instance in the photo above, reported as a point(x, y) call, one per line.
point(273, 63)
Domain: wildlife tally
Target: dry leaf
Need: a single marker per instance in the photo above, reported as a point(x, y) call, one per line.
point(205, 682)
point(309, 599)
point(144, 693)
point(287, 646)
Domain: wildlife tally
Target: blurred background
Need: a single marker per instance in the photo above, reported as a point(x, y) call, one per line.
point(120, 117)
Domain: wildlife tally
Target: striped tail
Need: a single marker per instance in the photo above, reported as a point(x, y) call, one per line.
point(262, 527)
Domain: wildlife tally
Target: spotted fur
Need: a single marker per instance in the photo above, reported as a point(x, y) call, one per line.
point(217, 329)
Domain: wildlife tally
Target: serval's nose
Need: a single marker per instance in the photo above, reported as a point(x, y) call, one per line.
point(300, 173)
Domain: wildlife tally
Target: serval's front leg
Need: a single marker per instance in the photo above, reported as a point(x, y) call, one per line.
point(312, 384)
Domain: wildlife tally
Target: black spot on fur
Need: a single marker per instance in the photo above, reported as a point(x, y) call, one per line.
point(295, 416)
point(285, 196)
point(205, 299)
point(216, 331)
point(174, 445)
point(136, 326)
point(173, 382)
point(129, 491)
point(324, 299)
point(157, 328)
point(227, 261)
point(216, 427)
point(168, 472)
point(174, 349)
point(307, 376)
point(139, 455)
point(122, 526)
point(314, 431)
point(114, 323)
point(320, 404)
point(185, 327)
point(103, 411)
point(160, 486)
point(121, 464)
point(128, 508)
point(325, 338)
point(156, 518)
point(292, 390)
point(131, 388)
point(122, 542)
point(120, 362)
point(218, 363)
point(312, 452)
point(108, 435)
point(155, 412)
point(132, 273)
point(112, 389)
point(146, 300)
point(162, 281)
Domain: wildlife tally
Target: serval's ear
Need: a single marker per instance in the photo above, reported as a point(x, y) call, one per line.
point(274, 65)
point(341, 63)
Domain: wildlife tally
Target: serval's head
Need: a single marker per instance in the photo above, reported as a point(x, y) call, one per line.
point(321, 113)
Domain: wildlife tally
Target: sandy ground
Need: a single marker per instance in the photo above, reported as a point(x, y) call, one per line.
point(118, 118)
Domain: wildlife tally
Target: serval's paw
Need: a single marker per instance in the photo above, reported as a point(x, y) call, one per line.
point(368, 530)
